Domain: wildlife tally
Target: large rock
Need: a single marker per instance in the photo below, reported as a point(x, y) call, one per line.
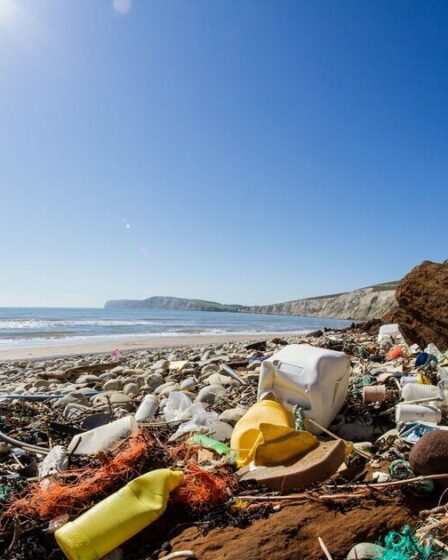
point(430, 454)
point(422, 312)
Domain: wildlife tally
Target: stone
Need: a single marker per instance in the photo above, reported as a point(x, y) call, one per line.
point(210, 368)
point(366, 551)
point(153, 380)
point(219, 379)
point(188, 384)
point(72, 397)
point(178, 365)
point(220, 431)
point(168, 389)
point(208, 395)
point(88, 379)
point(113, 385)
point(430, 454)
point(42, 383)
point(161, 388)
point(161, 364)
point(422, 312)
point(259, 346)
point(232, 415)
point(120, 400)
point(131, 389)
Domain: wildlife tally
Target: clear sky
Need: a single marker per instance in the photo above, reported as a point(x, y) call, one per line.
point(244, 151)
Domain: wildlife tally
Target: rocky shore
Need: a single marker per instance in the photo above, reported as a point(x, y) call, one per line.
point(46, 402)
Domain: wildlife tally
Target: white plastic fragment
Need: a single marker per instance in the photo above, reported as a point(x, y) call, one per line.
point(102, 438)
point(56, 461)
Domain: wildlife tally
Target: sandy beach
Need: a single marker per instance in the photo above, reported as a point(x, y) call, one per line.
point(106, 346)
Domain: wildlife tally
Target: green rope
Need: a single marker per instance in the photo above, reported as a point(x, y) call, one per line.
point(298, 416)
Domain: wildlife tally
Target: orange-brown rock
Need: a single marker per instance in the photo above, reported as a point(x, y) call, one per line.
point(422, 311)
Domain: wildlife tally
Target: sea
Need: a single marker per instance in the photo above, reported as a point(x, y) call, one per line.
point(46, 326)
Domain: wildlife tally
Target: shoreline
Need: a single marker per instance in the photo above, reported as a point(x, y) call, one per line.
point(63, 349)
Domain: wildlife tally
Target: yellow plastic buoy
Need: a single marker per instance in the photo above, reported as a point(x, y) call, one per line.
point(266, 434)
point(119, 517)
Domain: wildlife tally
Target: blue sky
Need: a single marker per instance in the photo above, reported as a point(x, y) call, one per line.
point(242, 151)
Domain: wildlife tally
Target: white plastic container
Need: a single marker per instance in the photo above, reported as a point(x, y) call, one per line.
point(316, 379)
point(405, 412)
point(390, 332)
point(416, 391)
point(408, 379)
point(147, 409)
point(102, 438)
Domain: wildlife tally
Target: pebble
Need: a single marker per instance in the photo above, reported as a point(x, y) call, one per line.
point(232, 415)
point(161, 364)
point(188, 384)
point(366, 551)
point(113, 385)
point(220, 379)
point(131, 389)
point(122, 401)
point(221, 431)
point(208, 395)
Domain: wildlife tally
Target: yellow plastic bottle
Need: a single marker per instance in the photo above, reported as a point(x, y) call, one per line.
point(119, 517)
point(247, 429)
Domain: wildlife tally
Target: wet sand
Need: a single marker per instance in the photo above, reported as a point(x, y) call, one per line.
point(105, 346)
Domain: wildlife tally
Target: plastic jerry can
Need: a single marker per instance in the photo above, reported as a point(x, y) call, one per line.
point(119, 517)
point(406, 412)
point(389, 332)
point(316, 379)
point(416, 391)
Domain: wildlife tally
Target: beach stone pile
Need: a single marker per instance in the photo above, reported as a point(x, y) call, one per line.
point(114, 385)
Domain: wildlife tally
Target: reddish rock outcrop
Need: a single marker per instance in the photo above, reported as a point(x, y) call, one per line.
point(422, 311)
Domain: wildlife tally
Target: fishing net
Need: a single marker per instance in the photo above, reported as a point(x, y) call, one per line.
point(56, 497)
point(203, 490)
point(405, 546)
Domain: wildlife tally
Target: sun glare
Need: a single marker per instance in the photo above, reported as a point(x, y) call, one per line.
point(8, 12)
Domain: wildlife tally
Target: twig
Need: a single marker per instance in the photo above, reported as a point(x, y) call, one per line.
point(180, 554)
point(334, 436)
point(395, 482)
point(325, 549)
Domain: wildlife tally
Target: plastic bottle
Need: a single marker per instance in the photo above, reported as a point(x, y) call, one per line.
point(416, 391)
point(405, 412)
point(119, 517)
point(406, 379)
point(102, 438)
point(147, 409)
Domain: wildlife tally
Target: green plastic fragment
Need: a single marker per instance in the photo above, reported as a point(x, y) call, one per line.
point(210, 443)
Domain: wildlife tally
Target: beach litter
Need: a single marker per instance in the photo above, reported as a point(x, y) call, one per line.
point(346, 424)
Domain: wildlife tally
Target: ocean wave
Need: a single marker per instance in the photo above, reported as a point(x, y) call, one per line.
point(77, 339)
point(36, 324)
